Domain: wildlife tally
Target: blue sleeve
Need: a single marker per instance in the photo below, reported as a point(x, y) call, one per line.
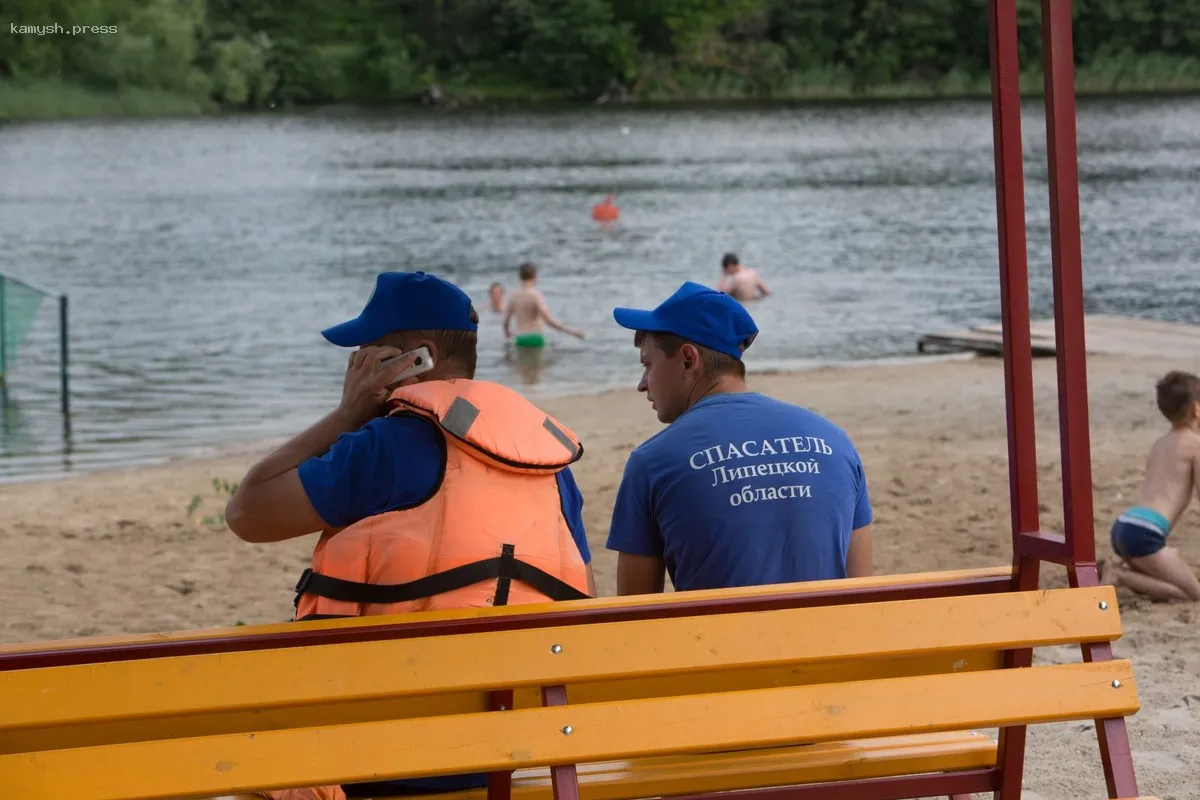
point(862, 501)
point(389, 463)
point(572, 509)
point(634, 528)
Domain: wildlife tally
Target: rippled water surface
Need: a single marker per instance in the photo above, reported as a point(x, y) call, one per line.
point(203, 256)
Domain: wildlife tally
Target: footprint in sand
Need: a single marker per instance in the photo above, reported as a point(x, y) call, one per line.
point(1158, 761)
point(1180, 718)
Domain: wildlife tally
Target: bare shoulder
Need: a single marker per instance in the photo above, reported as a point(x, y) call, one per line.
point(1184, 440)
point(1182, 445)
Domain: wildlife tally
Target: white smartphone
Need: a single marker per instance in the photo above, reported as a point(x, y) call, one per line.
point(423, 363)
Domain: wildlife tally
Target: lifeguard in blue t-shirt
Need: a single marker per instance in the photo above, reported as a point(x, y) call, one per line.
point(740, 489)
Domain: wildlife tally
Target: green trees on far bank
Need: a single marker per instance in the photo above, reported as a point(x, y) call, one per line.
point(208, 54)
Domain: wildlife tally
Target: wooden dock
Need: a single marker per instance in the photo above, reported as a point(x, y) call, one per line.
point(1105, 335)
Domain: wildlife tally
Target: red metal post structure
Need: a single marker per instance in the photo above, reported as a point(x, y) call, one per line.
point(1076, 550)
point(1018, 358)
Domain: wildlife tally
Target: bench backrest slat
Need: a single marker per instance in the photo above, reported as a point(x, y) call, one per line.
point(95, 650)
point(539, 737)
point(665, 649)
point(339, 712)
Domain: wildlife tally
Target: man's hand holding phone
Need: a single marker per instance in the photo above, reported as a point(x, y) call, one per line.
point(370, 377)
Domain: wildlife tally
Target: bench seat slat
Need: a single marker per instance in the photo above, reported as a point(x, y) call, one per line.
point(602, 731)
point(781, 766)
point(827, 761)
point(662, 647)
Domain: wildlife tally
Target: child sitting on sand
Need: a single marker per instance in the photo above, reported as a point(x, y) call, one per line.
point(1139, 536)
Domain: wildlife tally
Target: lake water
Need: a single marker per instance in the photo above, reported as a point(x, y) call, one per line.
point(203, 256)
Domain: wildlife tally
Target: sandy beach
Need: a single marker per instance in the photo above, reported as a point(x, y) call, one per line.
point(116, 551)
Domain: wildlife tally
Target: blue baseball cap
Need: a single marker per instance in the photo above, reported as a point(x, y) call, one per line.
point(699, 314)
point(406, 301)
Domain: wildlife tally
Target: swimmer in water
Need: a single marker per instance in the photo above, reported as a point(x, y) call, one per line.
point(740, 283)
point(528, 305)
point(496, 297)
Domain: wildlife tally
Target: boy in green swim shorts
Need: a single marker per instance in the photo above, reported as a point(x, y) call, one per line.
point(1139, 535)
point(527, 305)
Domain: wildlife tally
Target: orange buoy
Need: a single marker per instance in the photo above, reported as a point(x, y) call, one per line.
point(606, 211)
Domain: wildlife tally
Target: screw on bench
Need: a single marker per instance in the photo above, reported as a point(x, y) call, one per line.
point(568, 730)
point(1116, 684)
point(1103, 606)
point(556, 648)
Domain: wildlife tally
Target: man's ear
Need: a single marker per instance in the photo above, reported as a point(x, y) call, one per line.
point(690, 355)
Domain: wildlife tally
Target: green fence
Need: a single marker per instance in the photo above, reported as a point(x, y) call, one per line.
point(20, 301)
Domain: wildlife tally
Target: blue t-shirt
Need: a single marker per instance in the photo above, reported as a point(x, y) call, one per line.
point(743, 490)
point(391, 463)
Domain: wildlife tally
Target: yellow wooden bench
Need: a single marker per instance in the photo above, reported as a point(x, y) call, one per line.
point(845, 698)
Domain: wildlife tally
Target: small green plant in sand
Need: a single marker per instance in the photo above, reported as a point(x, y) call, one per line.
point(223, 489)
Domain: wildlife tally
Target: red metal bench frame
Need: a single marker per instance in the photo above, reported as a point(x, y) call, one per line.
point(1076, 550)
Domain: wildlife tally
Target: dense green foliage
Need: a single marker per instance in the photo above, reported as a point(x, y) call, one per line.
point(234, 54)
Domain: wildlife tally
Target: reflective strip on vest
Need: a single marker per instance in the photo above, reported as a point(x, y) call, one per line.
point(460, 417)
point(557, 433)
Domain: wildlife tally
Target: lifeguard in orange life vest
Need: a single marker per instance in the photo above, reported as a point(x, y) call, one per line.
point(438, 492)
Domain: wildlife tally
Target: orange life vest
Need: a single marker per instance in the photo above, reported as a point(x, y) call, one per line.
point(493, 533)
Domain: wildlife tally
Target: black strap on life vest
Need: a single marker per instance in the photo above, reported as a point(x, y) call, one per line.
point(504, 582)
point(504, 569)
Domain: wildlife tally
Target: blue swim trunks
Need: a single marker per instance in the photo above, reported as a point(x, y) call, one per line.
point(1140, 532)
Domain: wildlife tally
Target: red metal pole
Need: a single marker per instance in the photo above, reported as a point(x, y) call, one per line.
point(564, 778)
point(1074, 435)
point(1018, 353)
point(1014, 269)
point(1068, 280)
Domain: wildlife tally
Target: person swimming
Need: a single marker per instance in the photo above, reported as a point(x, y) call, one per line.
point(739, 282)
point(527, 305)
point(496, 297)
point(1139, 535)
